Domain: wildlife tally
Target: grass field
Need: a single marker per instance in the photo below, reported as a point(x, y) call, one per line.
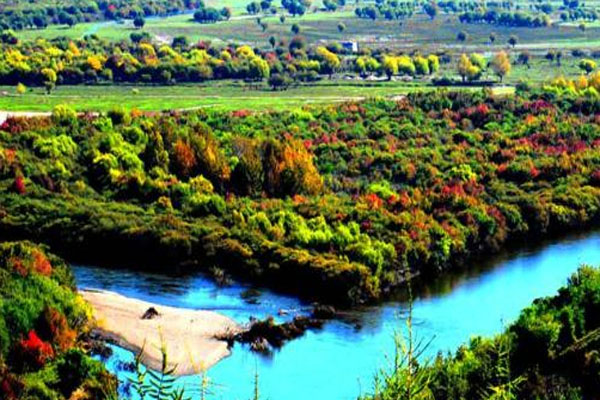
point(228, 96)
point(417, 32)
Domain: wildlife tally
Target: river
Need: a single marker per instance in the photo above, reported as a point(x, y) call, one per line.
point(339, 361)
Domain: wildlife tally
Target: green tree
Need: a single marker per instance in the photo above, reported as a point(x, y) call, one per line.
point(139, 22)
point(587, 65)
point(431, 9)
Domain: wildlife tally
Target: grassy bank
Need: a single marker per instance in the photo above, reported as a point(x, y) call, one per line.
point(219, 95)
point(548, 353)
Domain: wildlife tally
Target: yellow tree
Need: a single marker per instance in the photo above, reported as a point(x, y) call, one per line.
point(259, 69)
point(50, 75)
point(463, 66)
point(330, 61)
point(365, 64)
point(390, 66)
point(473, 73)
point(501, 65)
point(95, 62)
point(74, 49)
point(594, 80)
point(421, 65)
point(434, 63)
point(21, 89)
point(582, 83)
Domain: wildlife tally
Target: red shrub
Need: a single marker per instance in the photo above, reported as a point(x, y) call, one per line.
point(185, 158)
point(405, 200)
point(16, 264)
point(10, 155)
point(10, 386)
point(366, 225)
point(373, 201)
point(19, 184)
point(534, 172)
point(453, 190)
point(41, 263)
point(495, 213)
point(35, 351)
point(595, 178)
point(240, 113)
point(537, 105)
point(53, 326)
point(298, 199)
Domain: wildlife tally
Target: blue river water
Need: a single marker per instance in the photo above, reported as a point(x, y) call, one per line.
point(339, 361)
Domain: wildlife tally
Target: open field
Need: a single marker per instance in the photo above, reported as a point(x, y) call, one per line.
point(234, 94)
point(228, 96)
point(418, 31)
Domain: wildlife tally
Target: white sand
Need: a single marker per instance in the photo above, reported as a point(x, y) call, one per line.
point(189, 335)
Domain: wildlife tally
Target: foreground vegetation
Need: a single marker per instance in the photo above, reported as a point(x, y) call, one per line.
point(336, 201)
point(42, 320)
point(548, 353)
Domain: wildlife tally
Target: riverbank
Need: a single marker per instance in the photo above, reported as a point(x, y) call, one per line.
point(190, 336)
point(451, 310)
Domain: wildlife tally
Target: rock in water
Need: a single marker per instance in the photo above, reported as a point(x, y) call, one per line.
point(321, 311)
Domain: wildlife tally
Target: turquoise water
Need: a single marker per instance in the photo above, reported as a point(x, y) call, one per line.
point(339, 361)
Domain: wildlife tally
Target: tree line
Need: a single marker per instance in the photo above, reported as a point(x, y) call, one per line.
point(22, 16)
point(92, 60)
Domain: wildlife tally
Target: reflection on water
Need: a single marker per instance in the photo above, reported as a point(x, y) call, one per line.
point(338, 362)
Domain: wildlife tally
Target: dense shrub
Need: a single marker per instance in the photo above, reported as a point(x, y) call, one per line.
point(40, 319)
point(369, 190)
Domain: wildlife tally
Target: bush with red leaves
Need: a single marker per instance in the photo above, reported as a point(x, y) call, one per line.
point(19, 184)
point(41, 264)
point(34, 351)
point(53, 327)
point(10, 385)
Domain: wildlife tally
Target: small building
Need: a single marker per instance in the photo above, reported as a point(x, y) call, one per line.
point(350, 46)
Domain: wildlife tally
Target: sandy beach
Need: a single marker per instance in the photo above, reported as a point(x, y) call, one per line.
point(189, 335)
